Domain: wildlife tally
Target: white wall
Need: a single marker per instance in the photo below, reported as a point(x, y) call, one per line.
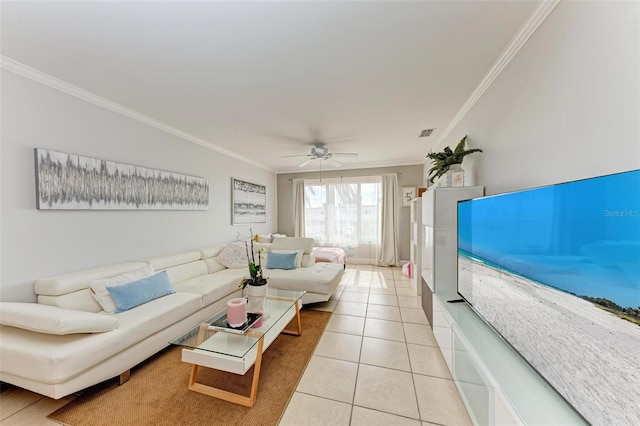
point(39, 243)
point(568, 105)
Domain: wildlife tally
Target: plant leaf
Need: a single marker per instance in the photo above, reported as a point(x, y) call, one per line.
point(443, 160)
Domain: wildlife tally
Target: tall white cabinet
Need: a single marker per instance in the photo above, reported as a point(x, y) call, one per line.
point(416, 243)
point(439, 268)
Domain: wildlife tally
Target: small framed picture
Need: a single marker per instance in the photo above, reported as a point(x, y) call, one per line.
point(248, 202)
point(457, 178)
point(408, 194)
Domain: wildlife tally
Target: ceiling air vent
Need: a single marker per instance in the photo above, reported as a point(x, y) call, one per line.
point(426, 132)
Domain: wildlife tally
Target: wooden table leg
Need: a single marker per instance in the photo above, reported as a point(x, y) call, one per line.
point(226, 395)
point(299, 331)
point(201, 333)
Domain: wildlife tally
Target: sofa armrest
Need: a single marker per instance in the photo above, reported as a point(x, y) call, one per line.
point(54, 320)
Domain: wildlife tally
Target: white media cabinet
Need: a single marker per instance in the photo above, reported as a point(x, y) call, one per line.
point(497, 385)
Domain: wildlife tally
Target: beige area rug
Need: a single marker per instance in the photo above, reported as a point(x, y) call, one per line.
point(157, 392)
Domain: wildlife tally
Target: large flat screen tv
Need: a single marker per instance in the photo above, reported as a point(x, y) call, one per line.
point(556, 272)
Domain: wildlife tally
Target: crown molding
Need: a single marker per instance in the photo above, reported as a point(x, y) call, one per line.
point(62, 86)
point(527, 29)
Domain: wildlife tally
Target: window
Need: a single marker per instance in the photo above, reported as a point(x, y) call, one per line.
point(343, 212)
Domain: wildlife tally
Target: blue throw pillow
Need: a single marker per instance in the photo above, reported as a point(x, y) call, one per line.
point(281, 260)
point(136, 293)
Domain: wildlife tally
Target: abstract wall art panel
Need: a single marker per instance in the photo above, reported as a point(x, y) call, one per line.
point(249, 202)
point(73, 182)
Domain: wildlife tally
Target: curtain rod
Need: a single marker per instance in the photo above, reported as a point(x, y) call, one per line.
point(341, 176)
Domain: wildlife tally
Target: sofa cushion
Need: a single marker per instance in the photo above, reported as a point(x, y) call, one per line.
point(234, 274)
point(281, 260)
point(186, 271)
point(99, 287)
point(211, 251)
point(214, 266)
point(320, 278)
point(158, 314)
point(127, 296)
point(81, 300)
point(170, 260)
point(293, 243)
point(208, 255)
point(308, 260)
point(53, 320)
point(74, 281)
point(212, 287)
point(234, 256)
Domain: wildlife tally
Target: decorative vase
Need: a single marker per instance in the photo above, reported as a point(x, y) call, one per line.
point(256, 295)
point(453, 177)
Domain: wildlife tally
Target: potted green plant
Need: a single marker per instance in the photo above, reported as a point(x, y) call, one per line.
point(442, 161)
point(257, 283)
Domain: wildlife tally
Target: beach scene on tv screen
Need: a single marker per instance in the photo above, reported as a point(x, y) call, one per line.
point(556, 272)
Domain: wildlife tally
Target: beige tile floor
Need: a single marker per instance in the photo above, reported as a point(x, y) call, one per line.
point(377, 363)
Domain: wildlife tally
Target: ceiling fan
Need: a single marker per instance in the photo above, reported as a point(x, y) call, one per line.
point(320, 152)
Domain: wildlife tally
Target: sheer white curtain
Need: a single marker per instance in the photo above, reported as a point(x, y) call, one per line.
point(345, 212)
point(298, 206)
point(388, 254)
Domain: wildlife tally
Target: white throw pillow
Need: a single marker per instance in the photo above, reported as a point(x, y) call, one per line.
point(234, 256)
point(99, 287)
point(299, 254)
point(54, 320)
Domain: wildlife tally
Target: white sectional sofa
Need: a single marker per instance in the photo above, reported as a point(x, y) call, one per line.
point(52, 349)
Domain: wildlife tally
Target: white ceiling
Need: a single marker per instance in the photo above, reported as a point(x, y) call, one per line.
point(263, 79)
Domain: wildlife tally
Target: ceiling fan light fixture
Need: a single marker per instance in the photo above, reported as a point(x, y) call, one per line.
point(320, 152)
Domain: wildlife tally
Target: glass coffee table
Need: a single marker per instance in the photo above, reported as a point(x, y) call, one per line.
point(236, 353)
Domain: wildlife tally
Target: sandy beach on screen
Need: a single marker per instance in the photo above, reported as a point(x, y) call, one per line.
point(589, 356)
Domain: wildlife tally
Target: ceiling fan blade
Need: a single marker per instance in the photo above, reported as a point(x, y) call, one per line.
point(286, 138)
point(297, 155)
point(339, 139)
point(333, 162)
point(306, 162)
point(344, 154)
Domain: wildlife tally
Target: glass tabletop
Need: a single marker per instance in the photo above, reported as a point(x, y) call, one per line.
point(276, 304)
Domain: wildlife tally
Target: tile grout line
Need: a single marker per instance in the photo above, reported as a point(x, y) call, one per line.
point(24, 408)
point(413, 383)
point(355, 385)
